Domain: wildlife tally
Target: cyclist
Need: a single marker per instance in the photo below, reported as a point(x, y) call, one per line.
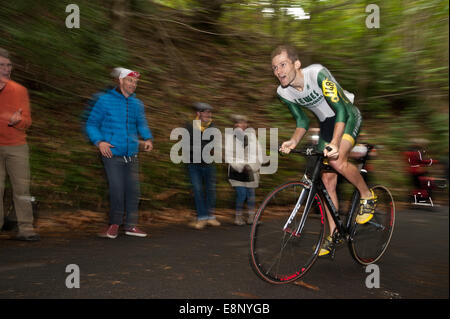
point(314, 88)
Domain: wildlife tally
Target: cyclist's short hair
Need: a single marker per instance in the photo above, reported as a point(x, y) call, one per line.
point(289, 49)
point(4, 53)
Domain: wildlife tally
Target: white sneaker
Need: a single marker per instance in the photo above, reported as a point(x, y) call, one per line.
point(251, 218)
point(238, 220)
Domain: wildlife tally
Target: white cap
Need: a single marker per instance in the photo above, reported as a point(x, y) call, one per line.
point(125, 72)
point(116, 72)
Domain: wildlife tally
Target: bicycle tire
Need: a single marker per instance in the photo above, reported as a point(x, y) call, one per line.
point(369, 241)
point(281, 256)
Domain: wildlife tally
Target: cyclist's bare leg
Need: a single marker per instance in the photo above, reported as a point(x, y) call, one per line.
point(330, 182)
point(350, 171)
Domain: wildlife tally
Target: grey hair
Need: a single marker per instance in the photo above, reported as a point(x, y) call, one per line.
point(4, 53)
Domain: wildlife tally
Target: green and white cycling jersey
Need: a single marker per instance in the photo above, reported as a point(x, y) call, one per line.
point(323, 96)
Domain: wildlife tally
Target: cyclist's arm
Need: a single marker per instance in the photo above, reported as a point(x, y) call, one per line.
point(336, 98)
point(298, 135)
point(338, 132)
point(333, 94)
point(301, 121)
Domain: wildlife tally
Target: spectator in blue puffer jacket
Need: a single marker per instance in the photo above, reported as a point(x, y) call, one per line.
point(114, 126)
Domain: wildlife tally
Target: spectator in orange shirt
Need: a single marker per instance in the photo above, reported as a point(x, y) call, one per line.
point(15, 118)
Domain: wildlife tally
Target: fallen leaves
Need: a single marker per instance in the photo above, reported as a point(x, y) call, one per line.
point(93, 222)
point(244, 295)
point(301, 283)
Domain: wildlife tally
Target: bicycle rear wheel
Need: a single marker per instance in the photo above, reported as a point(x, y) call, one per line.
point(369, 241)
point(278, 253)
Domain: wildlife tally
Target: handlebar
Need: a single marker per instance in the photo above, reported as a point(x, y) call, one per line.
point(307, 151)
point(313, 151)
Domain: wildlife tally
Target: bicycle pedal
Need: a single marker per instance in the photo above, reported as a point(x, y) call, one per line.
point(338, 240)
point(338, 245)
point(329, 255)
point(332, 253)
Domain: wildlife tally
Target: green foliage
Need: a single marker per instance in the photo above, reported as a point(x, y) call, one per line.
point(398, 72)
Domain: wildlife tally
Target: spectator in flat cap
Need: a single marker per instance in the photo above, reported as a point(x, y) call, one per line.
point(202, 175)
point(201, 107)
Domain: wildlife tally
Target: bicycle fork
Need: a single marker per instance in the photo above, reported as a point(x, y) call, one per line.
point(306, 193)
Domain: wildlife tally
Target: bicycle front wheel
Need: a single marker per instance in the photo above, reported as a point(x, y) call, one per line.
point(282, 251)
point(369, 241)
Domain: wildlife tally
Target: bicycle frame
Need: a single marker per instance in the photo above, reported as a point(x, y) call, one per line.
point(316, 186)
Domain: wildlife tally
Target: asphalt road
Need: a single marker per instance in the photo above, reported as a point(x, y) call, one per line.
point(177, 262)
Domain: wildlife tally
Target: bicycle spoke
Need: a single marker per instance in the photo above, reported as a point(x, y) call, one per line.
point(279, 254)
point(371, 240)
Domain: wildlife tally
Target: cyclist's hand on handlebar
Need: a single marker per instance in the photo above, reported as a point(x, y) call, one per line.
point(331, 151)
point(287, 146)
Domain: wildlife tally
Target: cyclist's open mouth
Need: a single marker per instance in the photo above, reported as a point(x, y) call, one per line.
point(283, 80)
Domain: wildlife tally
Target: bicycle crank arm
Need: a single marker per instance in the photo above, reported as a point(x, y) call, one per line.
point(378, 226)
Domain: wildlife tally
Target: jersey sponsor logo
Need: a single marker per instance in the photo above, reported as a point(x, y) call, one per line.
point(310, 100)
point(330, 90)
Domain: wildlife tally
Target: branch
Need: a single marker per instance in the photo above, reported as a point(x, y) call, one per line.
point(151, 17)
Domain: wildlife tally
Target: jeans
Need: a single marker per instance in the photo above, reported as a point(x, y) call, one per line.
point(242, 194)
point(124, 191)
point(14, 161)
point(203, 179)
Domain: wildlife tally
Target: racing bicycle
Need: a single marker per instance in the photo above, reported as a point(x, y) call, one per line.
point(289, 226)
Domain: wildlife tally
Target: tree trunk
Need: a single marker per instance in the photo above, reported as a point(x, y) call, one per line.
point(209, 13)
